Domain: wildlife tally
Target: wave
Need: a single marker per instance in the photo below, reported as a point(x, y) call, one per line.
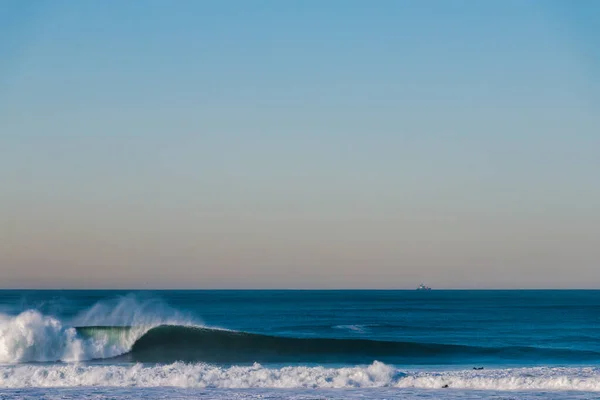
point(33, 337)
point(167, 343)
point(148, 331)
point(375, 375)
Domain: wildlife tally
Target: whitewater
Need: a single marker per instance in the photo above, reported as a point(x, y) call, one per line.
point(215, 345)
point(34, 337)
point(376, 375)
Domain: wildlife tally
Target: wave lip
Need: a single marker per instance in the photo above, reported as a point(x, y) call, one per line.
point(375, 375)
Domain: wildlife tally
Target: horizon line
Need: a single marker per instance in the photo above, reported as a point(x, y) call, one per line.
point(296, 289)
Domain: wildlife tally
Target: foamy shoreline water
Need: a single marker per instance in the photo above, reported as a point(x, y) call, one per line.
point(376, 375)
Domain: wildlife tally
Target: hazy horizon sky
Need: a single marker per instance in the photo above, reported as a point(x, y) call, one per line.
point(299, 144)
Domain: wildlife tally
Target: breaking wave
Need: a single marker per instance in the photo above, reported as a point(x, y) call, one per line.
point(34, 337)
point(130, 330)
point(375, 375)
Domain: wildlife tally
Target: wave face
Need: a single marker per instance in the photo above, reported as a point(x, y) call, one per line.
point(375, 375)
point(170, 343)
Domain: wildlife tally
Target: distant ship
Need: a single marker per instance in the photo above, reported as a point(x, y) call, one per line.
point(423, 287)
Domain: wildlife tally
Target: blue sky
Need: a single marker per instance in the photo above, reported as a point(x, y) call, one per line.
point(299, 144)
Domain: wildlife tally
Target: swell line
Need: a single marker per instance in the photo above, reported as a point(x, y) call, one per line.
point(169, 343)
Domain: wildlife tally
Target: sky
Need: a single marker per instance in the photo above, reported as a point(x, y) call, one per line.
point(299, 144)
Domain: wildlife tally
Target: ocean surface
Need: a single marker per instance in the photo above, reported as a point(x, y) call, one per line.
point(299, 344)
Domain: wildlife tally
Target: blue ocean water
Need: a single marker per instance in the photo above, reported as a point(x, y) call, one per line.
point(299, 344)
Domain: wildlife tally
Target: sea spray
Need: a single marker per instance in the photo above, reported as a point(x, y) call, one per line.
point(133, 310)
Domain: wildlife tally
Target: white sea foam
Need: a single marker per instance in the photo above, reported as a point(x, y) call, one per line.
point(31, 336)
point(196, 375)
point(537, 379)
point(376, 375)
point(131, 393)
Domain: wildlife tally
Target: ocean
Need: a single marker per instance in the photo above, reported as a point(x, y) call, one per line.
point(299, 344)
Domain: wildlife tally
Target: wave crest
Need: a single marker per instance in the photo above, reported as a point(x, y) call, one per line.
point(34, 337)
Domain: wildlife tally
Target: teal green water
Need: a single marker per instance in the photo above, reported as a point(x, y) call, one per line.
point(517, 328)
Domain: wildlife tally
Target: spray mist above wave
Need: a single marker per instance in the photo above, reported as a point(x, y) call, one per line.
point(32, 336)
point(375, 375)
point(131, 310)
